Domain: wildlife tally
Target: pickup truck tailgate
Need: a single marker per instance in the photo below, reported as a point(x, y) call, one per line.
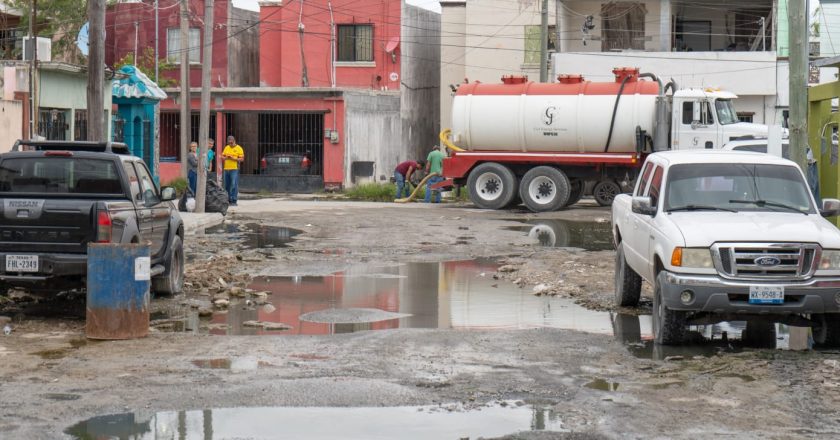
point(35, 225)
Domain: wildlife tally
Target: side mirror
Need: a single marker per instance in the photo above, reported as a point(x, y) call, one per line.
point(167, 193)
point(643, 206)
point(830, 208)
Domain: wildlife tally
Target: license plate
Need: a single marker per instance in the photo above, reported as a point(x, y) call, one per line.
point(21, 263)
point(283, 160)
point(767, 295)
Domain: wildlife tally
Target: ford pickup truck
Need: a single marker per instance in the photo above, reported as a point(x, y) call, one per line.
point(728, 236)
point(59, 196)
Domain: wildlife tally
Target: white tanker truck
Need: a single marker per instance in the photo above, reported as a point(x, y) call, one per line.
point(541, 143)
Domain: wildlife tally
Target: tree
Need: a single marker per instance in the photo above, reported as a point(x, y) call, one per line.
point(146, 64)
point(59, 20)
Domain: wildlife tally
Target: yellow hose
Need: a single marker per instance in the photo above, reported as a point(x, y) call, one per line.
point(416, 189)
point(444, 139)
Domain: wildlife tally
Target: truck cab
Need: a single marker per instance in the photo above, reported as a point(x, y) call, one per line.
point(706, 119)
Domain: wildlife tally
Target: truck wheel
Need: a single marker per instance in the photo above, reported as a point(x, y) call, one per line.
point(491, 186)
point(544, 189)
point(827, 334)
point(668, 325)
point(172, 280)
point(759, 334)
point(605, 191)
point(628, 284)
point(575, 191)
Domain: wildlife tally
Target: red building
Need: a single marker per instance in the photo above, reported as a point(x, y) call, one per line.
point(323, 79)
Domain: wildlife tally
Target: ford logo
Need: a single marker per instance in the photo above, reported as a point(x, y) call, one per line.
point(767, 261)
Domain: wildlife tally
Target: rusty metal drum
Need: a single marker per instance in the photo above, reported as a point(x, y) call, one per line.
point(118, 279)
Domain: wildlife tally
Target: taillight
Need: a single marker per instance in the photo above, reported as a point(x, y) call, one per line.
point(304, 163)
point(263, 163)
point(103, 227)
point(59, 153)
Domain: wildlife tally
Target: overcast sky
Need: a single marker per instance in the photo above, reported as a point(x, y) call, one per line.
point(253, 5)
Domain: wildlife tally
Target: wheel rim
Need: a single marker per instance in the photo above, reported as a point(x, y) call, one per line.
point(607, 191)
point(489, 186)
point(542, 190)
point(177, 264)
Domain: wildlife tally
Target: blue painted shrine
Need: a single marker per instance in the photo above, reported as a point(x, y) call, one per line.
point(137, 118)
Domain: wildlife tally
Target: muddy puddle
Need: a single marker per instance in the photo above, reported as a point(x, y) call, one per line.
point(255, 235)
point(587, 235)
point(408, 422)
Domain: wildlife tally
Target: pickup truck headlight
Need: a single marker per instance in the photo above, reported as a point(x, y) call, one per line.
point(692, 257)
point(830, 260)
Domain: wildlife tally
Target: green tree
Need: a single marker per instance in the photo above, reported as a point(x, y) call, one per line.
point(146, 64)
point(59, 20)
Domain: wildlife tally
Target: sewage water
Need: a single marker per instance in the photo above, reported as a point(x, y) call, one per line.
point(255, 235)
point(587, 235)
point(407, 422)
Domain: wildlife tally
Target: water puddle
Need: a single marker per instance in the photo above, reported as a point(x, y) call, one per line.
point(602, 385)
point(233, 364)
point(62, 352)
point(61, 396)
point(255, 235)
point(407, 422)
point(587, 235)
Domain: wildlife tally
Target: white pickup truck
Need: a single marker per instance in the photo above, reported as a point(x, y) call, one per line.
point(728, 236)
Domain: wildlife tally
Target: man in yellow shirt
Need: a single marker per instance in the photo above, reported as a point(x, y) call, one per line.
point(232, 155)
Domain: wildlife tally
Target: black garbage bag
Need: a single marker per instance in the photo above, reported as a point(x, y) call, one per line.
point(216, 199)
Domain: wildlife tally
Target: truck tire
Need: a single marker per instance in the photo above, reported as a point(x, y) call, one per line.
point(605, 191)
point(544, 189)
point(628, 284)
point(759, 334)
point(668, 325)
point(627, 328)
point(827, 334)
point(172, 280)
point(575, 191)
point(492, 186)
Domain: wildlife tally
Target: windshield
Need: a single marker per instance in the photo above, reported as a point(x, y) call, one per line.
point(59, 175)
point(737, 187)
point(726, 112)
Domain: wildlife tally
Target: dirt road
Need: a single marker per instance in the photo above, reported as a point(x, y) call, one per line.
point(448, 294)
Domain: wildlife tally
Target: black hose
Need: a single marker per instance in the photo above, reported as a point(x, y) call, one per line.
point(615, 110)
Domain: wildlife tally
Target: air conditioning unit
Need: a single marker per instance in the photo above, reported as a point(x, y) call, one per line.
point(44, 48)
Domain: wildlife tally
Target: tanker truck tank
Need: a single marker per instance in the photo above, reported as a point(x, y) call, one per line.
point(571, 115)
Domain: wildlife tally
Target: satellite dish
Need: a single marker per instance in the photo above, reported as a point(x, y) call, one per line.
point(82, 39)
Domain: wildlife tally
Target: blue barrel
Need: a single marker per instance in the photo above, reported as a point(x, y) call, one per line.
point(118, 278)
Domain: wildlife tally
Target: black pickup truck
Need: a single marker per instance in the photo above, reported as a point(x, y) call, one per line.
point(59, 196)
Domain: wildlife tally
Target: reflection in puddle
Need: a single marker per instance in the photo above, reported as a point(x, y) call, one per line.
point(408, 422)
point(602, 385)
point(255, 235)
point(590, 236)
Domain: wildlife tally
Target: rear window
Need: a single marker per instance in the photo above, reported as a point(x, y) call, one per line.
point(59, 175)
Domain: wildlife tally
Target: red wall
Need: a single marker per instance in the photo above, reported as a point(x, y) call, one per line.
point(280, 45)
point(333, 109)
point(120, 34)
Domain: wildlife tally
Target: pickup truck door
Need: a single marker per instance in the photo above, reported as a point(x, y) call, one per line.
point(158, 211)
point(634, 237)
point(647, 224)
point(144, 214)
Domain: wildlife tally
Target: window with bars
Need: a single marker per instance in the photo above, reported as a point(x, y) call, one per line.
point(173, 45)
point(745, 116)
point(80, 123)
point(622, 26)
point(355, 42)
point(533, 41)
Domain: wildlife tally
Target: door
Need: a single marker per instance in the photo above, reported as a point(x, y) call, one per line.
point(158, 211)
point(144, 214)
point(634, 237)
point(697, 125)
point(646, 231)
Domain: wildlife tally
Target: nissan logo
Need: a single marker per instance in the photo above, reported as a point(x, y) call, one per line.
point(767, 261)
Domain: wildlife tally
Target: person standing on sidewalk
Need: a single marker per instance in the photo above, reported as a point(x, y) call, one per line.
point(232, 155)
point(192, 167)
point(434, 166)
point(402, 175)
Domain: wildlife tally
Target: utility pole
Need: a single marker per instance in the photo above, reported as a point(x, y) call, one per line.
point(33, 38)
point(96, 72)
point(797, 121)
point(157, 44)
point(544, 42)
point(204, 118)
point(185, 86)
point(558, 25)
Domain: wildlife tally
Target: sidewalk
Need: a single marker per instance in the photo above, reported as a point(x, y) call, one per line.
point(194, 222)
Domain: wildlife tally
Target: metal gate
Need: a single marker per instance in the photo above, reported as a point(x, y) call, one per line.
point(52, 124)
point(170, 134)
point(293, 133)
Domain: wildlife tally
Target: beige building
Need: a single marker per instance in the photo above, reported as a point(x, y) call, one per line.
point(483, 40)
